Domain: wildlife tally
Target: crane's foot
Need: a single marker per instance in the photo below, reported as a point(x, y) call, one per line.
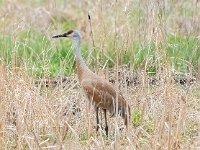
point(97, 128)
point(121, 128)
point(106, 129)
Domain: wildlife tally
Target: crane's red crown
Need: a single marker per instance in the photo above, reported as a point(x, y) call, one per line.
point(70, 31)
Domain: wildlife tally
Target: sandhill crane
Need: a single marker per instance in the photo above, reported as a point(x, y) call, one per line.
point(98, 90)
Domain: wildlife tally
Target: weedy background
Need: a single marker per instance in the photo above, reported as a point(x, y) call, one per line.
point(148, 49)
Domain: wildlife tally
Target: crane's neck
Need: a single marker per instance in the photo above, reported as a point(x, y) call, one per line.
point(77, 46)
point(81, 66)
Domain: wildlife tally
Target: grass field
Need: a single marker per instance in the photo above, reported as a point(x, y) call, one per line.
point(150, 50)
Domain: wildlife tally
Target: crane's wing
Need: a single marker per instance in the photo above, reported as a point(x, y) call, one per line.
point(104, 95)
point(101, 92)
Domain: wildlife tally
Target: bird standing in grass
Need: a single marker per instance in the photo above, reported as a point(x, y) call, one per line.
point(98, 90)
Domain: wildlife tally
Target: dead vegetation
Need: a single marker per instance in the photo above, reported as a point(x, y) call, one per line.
point(165, 113)
point(164, 116)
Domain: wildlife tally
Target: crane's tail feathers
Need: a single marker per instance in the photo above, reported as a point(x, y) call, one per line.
point(124, 112)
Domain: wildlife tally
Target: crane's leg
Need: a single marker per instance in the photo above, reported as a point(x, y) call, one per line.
point(106, 123)
point(97, 115)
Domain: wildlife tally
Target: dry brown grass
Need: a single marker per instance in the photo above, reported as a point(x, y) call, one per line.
point(55, 118)
point(36, 117)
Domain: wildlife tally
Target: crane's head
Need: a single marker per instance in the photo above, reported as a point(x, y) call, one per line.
point(73, 34)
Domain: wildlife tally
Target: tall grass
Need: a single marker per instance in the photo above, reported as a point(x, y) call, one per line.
point(142, 45)
point(35, 51)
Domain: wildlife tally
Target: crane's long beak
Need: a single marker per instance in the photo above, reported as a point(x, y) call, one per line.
point(60, 35)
